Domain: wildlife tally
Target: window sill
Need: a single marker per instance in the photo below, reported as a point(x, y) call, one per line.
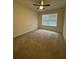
point(49, 26)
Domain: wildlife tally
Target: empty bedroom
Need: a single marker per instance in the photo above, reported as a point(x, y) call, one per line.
point(39, 29)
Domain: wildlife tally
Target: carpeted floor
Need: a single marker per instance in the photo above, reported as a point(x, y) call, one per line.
point(39, 44)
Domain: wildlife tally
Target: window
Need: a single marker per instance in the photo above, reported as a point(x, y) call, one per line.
point(49, 20)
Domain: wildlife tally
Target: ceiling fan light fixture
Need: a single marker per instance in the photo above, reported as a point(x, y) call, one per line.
point(41, 7)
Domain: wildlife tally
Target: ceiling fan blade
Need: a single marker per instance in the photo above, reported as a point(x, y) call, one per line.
point(36, 4)
point(41, 5)
point(46, 5)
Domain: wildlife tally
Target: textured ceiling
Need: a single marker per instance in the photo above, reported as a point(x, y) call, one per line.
point(54, 4)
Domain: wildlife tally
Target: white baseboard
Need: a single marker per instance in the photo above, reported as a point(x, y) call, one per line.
point(14, 36)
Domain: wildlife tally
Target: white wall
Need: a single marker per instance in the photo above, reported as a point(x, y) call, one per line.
point(64, 28)
point(24, 19)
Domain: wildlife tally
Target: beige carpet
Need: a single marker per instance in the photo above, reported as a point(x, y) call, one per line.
point(39, 44)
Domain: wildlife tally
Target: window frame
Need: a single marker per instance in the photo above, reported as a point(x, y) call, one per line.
point(48, 22)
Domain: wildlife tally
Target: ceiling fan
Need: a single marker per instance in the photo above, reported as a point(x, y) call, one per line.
point(41, 5)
